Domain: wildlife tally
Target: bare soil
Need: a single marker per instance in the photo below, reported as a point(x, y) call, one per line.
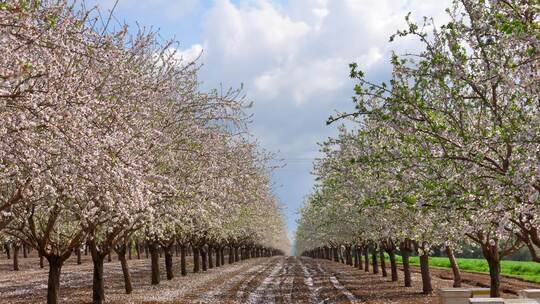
point(261, 280)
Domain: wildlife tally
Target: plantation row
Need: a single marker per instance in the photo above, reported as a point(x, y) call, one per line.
point(203, 257)
point(107, 142)
point(446, 153)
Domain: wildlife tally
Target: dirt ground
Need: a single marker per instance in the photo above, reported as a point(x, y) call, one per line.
point(262, 280)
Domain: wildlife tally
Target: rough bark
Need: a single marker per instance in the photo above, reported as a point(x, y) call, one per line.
point(426, 276)
point(374, 261)
point(360, 262)
point(7, 247)
point(196, 260)
point(231, 255)
point(154, 256)
point(204, 258)
point(348, 255)
point(366, 259)
point(16, 248)
point(183, 268)
point(169, 261)
point(98, 285)
point(218, 256)
point(222, 255)
point(383, 263)
point(406, 253)
point(53, 285)
point(210, 257)
point(393, 265)
point(455, 267)
point(491, 253)
point(125, 269)
point(79, 257)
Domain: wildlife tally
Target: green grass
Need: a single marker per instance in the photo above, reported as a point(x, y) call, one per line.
point(528, 271)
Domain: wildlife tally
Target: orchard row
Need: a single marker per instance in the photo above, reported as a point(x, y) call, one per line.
point(106, 140)
point(445, 153)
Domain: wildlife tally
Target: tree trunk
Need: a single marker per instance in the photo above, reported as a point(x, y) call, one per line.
point(222, 256)
point(406, 253)
point(383, 263)
point(218, 256)
point(183, 268)
point(393, 264)
point(169, 262)
point(125, 269)
point(348, 255)
point(154, 256)
point(109, 258)
point(210, 258)
point(138, 249)
point(491, 253)
point(25, 251)
point(231, 255)
point(366, 258)
point(16, 248)
point(79, 258)
point(455, 267)
point(355, 254)
point(196, 260)
point(374, 261)
point(98, 286)
point(41, 264)
point(8, 250)
point(236, 256)
point(426, 276)
point(360, 262)
point(335, 253)
point(53, 285)
point(204, 258)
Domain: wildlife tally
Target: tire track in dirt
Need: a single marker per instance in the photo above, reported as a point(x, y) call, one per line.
point(335, 282)
point(266, 291)
point(314, 292)
point(252, 283)
point(225, 291)
point(287, 282)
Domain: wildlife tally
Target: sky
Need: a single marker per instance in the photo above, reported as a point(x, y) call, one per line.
point(290, 56)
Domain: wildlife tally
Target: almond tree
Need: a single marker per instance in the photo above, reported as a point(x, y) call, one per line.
point(467, 102)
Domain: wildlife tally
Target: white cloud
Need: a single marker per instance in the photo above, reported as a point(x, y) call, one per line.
point(296, 52)
point(251, 30)
point(191, 54)
point(301, 82)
